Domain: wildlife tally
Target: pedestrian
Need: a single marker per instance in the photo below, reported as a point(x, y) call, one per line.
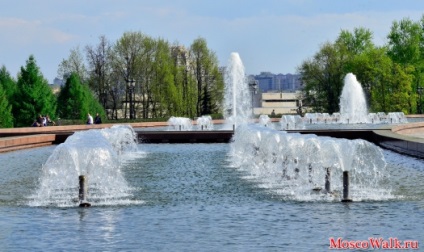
point(44, 121)
point(40, 120)
point(89, 119)
point(97, 119)
point(49, 121)
point(35, 124)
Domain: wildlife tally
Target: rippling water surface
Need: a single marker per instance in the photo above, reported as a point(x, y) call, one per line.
point(193, 200)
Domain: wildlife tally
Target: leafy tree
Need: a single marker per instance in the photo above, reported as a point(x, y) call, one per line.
point(184, 82)
point(100, 69)
point(357, 42)
point(323, 78)
point(74, 64)
point(405, 47)
point(385, 82)
point(127, 55)
point(164, 92)
point(206, 75)
point(6, 117)
point(33, 95)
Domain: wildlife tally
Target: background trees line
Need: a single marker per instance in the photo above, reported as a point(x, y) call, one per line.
point(172, 80)
point(391, 75)
point(169, 79)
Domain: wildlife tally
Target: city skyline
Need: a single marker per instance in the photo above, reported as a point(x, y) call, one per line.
point(270, 36)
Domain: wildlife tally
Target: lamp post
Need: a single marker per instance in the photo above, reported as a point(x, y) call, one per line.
point(253, 88)
point(420, 91)
point(131, 87)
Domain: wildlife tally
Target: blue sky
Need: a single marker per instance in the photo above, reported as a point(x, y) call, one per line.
point(269, 35)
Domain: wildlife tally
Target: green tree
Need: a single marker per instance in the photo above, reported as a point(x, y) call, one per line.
point(184, 82)
point(74, 64)
point(323, 78)
point(207, 77)
point(385, 82)
point(100, 71)
point(9, 84)
point(405, 42)
point(356, 42)
point(6, 117)
point(75, 100)
point(33, 95)
point(164, 92)
point(127, 57)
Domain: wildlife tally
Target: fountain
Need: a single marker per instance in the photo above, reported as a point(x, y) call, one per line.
point(265, 121)
point(353, 106)
point(237, 98)
point(174, 191)
point(95, 154)
point(180, 123)
point(295, 165)
point(291, 122)
point(204, 123)
point(353, 109)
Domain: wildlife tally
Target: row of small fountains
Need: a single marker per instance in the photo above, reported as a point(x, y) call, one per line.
point(292, 121)
point(184, 124)
point(297, 122)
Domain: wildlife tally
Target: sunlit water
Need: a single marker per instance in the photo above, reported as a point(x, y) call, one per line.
point(195, 199)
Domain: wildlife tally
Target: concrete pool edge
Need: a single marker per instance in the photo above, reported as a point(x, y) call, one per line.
point(399, 138)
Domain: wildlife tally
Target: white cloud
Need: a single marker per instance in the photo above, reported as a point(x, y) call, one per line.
point(14, 31)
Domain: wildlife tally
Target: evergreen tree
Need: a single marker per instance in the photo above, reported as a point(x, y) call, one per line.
point(33, 95)
point(6, 117)
point(75, 100)
point(9, 84)
point(7, 89)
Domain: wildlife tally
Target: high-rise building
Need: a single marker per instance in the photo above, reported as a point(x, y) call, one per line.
point(269, 82)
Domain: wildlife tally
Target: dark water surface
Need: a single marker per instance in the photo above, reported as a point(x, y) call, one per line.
point(194, 201)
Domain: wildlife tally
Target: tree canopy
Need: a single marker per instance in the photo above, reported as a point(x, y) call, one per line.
point(390, 75)
point(33, 96)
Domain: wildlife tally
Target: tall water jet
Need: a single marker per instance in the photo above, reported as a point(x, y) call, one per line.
point(237, 98)
point(353, 106)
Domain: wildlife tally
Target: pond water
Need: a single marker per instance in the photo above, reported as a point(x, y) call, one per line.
point(189, 197)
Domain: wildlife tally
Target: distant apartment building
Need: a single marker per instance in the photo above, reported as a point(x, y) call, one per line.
point(269, 82)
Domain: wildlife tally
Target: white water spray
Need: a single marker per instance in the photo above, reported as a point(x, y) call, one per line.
point(180, 123)
point(353, 106)
point(293, 166)
point(97, 155)
point(237, 98)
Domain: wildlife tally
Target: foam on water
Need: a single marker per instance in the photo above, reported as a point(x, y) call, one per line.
point(97, 154)
point(292, 165)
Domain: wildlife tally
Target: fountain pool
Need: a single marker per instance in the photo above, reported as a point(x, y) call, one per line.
point(194, 197)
